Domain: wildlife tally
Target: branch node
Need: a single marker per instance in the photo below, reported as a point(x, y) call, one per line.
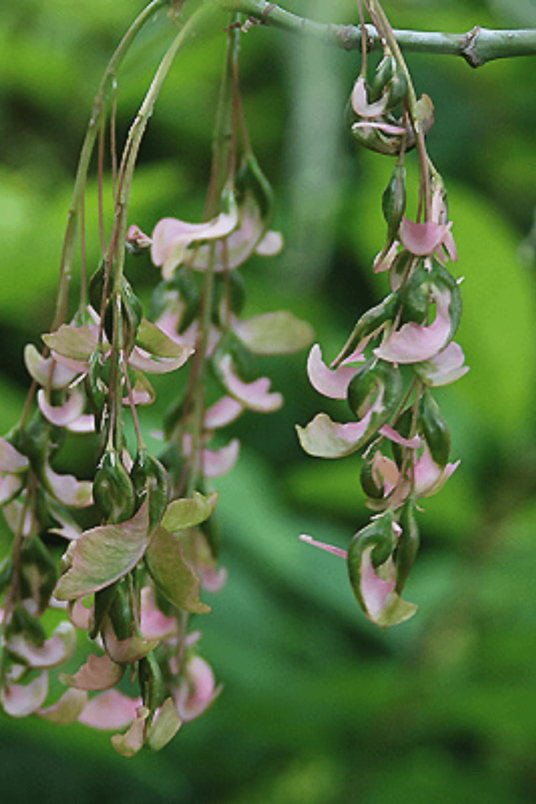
point(468, 50)
point(268, 10)
point(346, 37)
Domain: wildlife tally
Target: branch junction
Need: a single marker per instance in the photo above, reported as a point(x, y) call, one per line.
point(477, 47)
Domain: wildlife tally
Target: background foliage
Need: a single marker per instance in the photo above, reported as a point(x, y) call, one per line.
point(318, 707)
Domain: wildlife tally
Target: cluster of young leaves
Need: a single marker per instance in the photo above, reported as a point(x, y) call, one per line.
point(398, 351)
point(133, 580)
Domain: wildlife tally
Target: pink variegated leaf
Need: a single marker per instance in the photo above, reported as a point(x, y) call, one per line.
point(143, 392)
point(99, 673)
point(422, 239)
point(218, 462)
point(11, 459)
point(223, 412)
point(153, 623)
point(126, 651)
point(154, 340)
point(414, 343)
point(197, 690)
point(45, 370)
point(228, 254)
point(68, 490)
point(80, 615)
point(21, 700)
point(67, 710)
point(65, 414)
point(10, 486)
point(332, 383)
point(429, 476)
point(379, 125)
point(213, 579)
point(360, 101)
point(110, 710)
point(271, 244)
point(384, 260)
point(85, 423)
point(55, 651)
point(383, 605)
point(389, 432)
point(254, 395)
point(143, 361)
point(171, 238)
point(446, 367)
point(372, 573)
point(324, 438)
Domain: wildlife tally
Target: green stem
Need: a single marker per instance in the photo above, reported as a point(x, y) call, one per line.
point(223, 164)
point(478, 46)
point(135, 136)
point(94, 126)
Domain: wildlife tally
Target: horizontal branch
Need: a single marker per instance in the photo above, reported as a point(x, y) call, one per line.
point(477, 47)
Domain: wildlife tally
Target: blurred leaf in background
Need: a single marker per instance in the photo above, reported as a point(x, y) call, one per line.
point(318, 707)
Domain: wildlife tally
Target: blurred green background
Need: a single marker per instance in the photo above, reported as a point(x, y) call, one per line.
point(319, 707)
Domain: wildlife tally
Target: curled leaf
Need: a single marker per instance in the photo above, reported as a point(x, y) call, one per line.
point(68, 709)
point(21, 700)
point(99, 673)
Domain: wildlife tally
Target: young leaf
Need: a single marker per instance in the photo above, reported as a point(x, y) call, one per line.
point(188, 512)
point(274, 333)
point(174, 578)
point(103, 555)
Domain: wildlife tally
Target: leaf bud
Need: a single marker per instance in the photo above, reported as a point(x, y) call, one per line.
point(374, 378)
point(434, 429)
point(369, 482)
point(394, 202)
point(382, 76)
point(113, 491)
point(96, 389)
point(371, 322)
point(408, 545)
point(416, 296)
point(120, 612)
point(151, 682)
point(149, 478)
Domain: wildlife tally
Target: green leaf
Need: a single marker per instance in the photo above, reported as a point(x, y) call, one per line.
point(174, 578)
point(78, 343)
point(103, 555)
point(156, 342)
point(165, 726)
point(188, 512)
point(67, 710)
point(275, 333)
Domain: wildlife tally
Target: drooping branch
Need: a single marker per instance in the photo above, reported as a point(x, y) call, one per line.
point(477, 47)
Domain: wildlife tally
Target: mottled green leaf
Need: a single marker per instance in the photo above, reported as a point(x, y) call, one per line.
point(275, 333)
point(174, 578)
point(188, 512)
point(103, 555)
